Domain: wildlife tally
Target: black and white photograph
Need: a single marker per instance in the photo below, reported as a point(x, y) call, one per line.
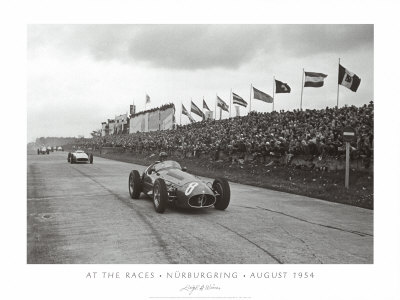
point(211, 150)
point(199, 144)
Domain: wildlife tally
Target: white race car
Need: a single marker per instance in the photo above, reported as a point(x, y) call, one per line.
point(80, 156)
point(42, 150)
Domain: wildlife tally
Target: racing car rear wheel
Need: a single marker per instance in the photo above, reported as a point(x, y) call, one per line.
point(91, 158)
point(221, 186)
point(135, 184)
point(160, 195)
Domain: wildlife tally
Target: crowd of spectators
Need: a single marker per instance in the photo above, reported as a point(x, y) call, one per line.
point(309, 132)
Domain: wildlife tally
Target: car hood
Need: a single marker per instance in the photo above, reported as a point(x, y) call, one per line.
point(80, 155)
point(178, 177)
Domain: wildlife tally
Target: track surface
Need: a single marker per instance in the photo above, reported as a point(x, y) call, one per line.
point(83, 214)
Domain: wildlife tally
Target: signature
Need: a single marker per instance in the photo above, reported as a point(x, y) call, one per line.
point(190, 289)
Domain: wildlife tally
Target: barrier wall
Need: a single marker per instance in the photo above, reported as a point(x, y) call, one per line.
point(300, 161)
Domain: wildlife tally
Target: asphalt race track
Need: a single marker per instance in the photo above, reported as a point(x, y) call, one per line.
point(83, 213)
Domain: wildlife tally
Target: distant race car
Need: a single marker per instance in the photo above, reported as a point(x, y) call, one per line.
point(48, 149)
point(42, 150)
point(59, 148)
point(167, 183)
point(80, 156)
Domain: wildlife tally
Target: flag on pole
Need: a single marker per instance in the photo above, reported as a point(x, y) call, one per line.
point(281, 87)
point(221, 103)
point(237, 110)
point(313, 79)
point(348, 79)
point(238, 100)
point(186, 113)
point(205, 106)
point(257, 94)
point(147, 99)
point(194, 109)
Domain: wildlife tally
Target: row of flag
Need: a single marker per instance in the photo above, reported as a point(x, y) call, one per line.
point(236, 99)
point(311, 79)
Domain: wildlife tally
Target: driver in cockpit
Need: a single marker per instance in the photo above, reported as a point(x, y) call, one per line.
point(162, 156)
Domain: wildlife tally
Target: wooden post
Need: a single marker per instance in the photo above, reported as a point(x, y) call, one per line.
point(346, 184)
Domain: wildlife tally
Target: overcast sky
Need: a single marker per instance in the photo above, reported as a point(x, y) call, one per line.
point(80, 75)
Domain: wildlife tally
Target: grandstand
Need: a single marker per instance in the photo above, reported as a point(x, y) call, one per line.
point(297, 132)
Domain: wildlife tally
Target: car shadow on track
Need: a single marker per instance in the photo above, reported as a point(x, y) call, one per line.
point(175, 209)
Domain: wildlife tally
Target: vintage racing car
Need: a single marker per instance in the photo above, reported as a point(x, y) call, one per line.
point(80, 156)
point(42, 150)
point(167, 183)
point(59, 148)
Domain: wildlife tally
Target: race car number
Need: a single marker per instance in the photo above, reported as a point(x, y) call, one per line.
point(190, 188)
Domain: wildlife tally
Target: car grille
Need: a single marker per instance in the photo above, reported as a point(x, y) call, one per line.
point(81, 159)
point(202, 200)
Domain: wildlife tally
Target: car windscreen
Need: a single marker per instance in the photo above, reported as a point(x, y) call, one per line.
point(168, 164)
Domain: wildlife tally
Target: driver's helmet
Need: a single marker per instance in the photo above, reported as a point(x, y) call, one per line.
point(163, 156)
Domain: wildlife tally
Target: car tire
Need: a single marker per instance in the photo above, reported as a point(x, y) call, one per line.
point(69, 157)
point(160, 195)
point(134, 184)
point(72, 159)
point(91, 158)
point(221, 186)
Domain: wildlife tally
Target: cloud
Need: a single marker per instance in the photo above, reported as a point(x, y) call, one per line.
point(191, 47)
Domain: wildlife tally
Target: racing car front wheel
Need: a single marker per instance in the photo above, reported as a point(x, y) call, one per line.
point(91, 158)
point(160, 195)
point(69, 157)
point(221, 187)
point(135, 184)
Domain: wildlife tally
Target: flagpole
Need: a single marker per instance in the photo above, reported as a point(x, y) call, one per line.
point(273, 94)
point(190, 111)
point(302, 86)
point(202, 109)
point(337, 101)
point(251, 87)
point(180, 117)
point(230, 107)
point(215, 104)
